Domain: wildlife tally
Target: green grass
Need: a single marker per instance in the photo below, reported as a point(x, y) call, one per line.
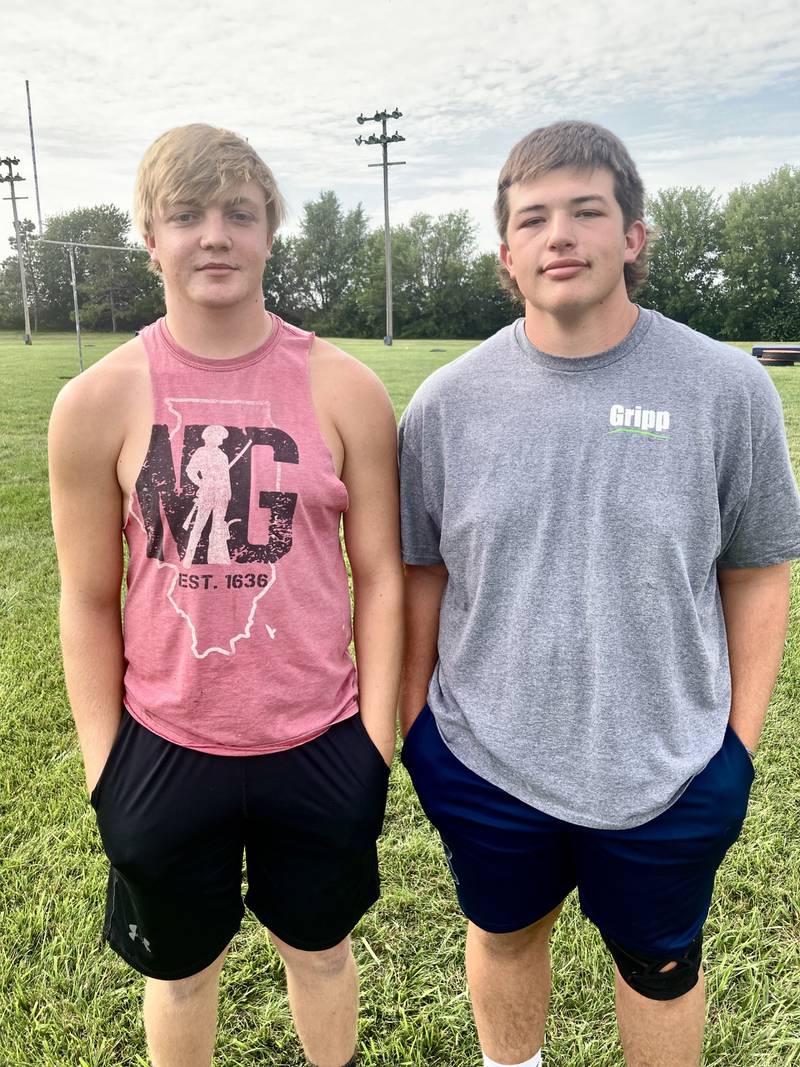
point(65, 1001)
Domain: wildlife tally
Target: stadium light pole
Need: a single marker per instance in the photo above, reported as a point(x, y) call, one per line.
point(384, 140)
point(11, 177)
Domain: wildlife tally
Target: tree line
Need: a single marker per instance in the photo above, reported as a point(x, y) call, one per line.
point(728, 268)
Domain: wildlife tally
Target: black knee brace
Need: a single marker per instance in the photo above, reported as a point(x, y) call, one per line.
point(644, 974)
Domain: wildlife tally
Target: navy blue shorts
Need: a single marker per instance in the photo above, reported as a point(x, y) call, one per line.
point(647, 888)
point(176, 824)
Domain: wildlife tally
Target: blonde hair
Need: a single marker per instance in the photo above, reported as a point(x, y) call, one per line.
point(579, 146)
point(195, 163)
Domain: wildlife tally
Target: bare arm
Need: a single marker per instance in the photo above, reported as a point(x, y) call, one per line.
point(755, 603)
point(365, 422)
point(424, 591)
point(86, 505)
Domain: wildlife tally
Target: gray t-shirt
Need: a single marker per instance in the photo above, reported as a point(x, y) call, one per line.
point(582, 507)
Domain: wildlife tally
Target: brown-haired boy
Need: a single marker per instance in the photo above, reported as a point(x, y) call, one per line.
point(597, 508)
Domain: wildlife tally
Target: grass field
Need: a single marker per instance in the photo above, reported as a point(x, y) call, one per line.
point(67, 1002)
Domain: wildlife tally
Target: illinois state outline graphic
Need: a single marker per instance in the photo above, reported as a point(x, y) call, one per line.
point(216, 520)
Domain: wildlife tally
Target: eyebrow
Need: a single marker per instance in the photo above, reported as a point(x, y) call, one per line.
point(236, 201)
point(241, 201)
point(575, 201)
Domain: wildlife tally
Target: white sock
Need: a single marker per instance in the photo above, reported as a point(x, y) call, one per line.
point(535, 1061)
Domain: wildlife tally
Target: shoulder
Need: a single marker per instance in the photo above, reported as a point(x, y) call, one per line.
point(99, 400)
point(469, 374)
point(719, 371)
point(342, 381)
point(711, 356)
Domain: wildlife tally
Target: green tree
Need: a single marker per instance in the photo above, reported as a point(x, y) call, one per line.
point(761, 258)
point(490, 306)
point(27, 230)
point(685, 282)
point(280, 285)
point(11, 317)
point(441, 287)
point(444, 248)
point(329, 259)
point(407, 292)
point(431, 276)
point(115, 289)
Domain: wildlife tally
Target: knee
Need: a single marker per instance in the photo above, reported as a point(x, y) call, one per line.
point(183, 990)
point(518, 942)
point(327, 963)
point(659, 978)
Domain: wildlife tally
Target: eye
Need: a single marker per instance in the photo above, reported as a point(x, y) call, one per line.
point(589, 213)
point(534, 220)
point(182, 216)
point(242, 216)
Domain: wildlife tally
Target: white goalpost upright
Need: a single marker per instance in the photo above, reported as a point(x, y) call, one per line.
point(70, 246)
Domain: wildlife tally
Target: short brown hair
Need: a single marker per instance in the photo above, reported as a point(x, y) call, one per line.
point(194, 163)
point(579, 146)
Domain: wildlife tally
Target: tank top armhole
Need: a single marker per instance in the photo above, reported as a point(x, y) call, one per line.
point(321, 442)
point(146, 335)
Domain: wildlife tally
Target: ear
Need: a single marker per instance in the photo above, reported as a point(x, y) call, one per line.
point(505, 258)
point(270, 239)
point(635, 240)
point(150, 245)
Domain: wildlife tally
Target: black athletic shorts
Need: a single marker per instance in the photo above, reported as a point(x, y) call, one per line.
point(175, 824)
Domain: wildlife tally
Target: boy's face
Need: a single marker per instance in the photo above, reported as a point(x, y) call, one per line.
point(566, 245)
point(213, 254)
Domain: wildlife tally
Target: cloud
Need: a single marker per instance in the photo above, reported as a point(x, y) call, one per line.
point(786, 147)
point(691, 87)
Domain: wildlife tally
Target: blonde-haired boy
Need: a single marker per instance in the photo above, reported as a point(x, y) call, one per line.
point(227, 446)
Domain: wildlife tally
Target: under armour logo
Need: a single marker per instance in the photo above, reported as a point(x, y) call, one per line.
point(448, 853)
point(133, 934)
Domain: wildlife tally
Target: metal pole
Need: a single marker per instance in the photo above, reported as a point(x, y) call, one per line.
point(384, 140)
point(71, 251)
point(11, 179)
point(25, 311)
point(83, 244)
point(33, 157)
point(387, 239)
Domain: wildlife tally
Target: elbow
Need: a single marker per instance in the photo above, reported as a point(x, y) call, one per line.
point(88, 604)
point(384, 584)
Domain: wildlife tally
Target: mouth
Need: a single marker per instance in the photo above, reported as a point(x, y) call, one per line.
point(564, 268)
point(217, 267)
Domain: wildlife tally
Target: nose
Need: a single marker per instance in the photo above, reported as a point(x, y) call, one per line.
point(560, 231)
point(215, 233)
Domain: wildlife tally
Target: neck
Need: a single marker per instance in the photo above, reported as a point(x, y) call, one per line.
point(219, 332)
point(584, 333)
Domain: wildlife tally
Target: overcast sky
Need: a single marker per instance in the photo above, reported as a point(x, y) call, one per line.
point(704, 92)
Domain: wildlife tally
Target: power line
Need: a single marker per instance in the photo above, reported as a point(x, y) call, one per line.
point(384, 140)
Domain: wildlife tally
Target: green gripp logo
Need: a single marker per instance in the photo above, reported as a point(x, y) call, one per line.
point(644, 422)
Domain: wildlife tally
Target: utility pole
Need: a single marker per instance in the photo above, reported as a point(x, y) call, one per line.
point(384, 140)
point(11, 177)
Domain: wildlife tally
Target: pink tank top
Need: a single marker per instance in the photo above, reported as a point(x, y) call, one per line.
point(237, 616)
